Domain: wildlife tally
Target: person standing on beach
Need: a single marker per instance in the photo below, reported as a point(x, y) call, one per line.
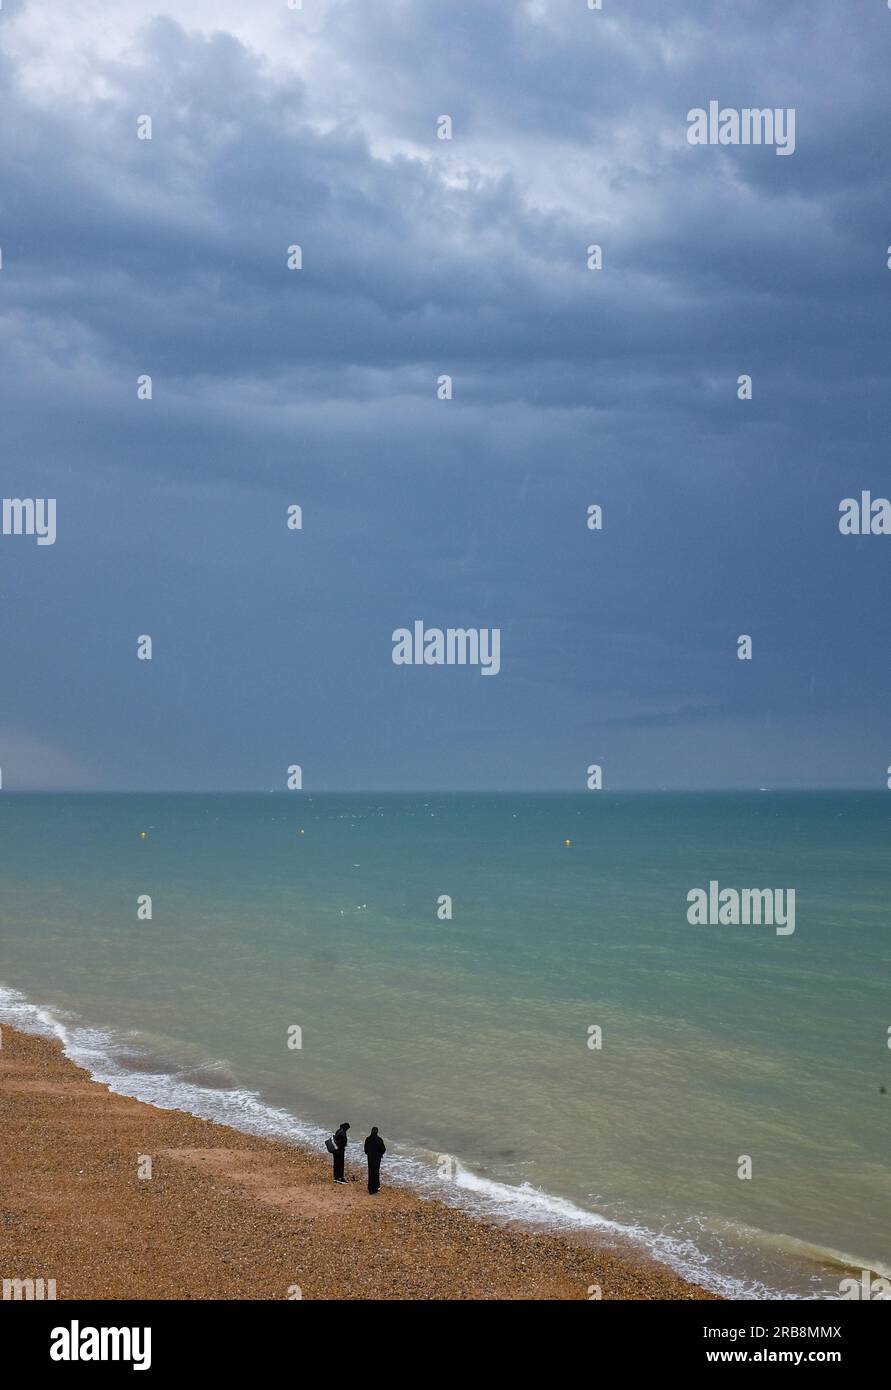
point(340, 1143)
point(375, 1148)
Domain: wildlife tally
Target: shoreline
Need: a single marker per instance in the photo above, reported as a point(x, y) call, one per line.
point(230, 1215)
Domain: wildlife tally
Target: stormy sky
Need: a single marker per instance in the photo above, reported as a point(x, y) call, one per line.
point(424, 257)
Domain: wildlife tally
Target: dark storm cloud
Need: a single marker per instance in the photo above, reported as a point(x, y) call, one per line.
point(467, 257)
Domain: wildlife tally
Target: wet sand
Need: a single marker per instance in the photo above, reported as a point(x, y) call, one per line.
point(226, 1215)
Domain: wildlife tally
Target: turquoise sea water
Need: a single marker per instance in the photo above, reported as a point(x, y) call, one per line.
point(466, 1041)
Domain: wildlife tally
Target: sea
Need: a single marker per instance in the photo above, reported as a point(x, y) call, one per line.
point(509, 987)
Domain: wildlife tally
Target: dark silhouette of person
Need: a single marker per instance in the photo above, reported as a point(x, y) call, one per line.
point(375, 1148)
point(340, 1143)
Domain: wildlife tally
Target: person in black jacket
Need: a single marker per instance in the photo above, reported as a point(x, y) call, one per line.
point(375, 1148)
point(340, 1143)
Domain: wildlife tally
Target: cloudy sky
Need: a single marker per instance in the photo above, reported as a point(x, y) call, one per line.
point(424, 257)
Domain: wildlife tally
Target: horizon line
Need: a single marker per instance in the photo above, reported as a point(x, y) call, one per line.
point(307, 794)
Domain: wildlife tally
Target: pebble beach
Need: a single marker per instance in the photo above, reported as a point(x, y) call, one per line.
point(226, 1215)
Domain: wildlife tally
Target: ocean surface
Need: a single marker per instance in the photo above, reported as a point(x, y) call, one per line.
point(467, 1040)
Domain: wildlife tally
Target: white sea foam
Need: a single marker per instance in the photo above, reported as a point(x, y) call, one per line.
point(97, 1051)
point(100, 1053)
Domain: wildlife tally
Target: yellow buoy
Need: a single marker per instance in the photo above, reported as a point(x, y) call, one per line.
point(142, 834)
point(300, 831)
point(567, 843)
